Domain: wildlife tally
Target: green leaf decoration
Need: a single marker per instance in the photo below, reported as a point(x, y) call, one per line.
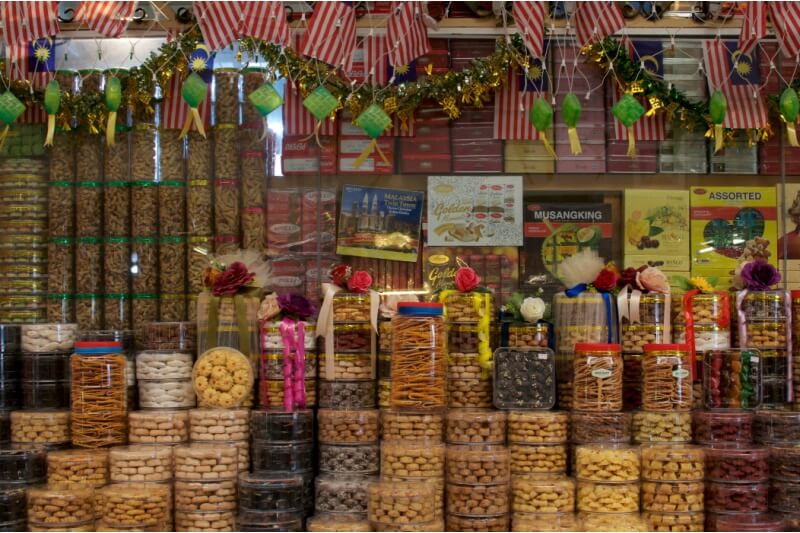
point(571, 110)
point(10, 107)
point(789, 105)
point(717, 107)
point(194, 90)
point(628, 110)
point(682, 282)
point(541, 115)
point(265, 99)
point(52, 97)
point(320, 103)
point(373, 120)
point(113, 93)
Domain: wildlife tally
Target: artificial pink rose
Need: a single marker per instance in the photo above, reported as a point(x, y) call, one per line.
point(269, 307)
point(339, 274)
point(360, 281)
point(232, 279)
point(653, 280)
point(630, 276)
point(466, 279)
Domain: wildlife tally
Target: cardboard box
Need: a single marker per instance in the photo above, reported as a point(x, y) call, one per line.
point(498, 267)
point(350, 147)
point(680, 263)
point(303, 156)
point(530, 166)
point(580, 165)
point(732, 223)
point(737, 158)
point(469, 165)
point(529, 150)
point(657, 226)
point(724, 277)
point(425, 164)
point(646, 160)
point(789, 225)
point(411, 146)
point(477, 149)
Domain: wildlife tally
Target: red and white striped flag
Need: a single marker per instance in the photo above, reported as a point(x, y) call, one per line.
point(297, 120)
point(594, 21)
point(652, 128)
point(106, 18)
point(332, 34)
point(512, 105)
point(754, 26)
point(27, 21)
point(219, 22)
point(265, 21)
point(406, 34)
point(785, 17)
point(370, 61)
point(739, 80)
point(529, 17)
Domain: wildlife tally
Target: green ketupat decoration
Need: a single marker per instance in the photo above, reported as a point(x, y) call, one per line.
point(113, 96)
point(320, 103)
point(628, 110)
point(194, 91)
point(541, 116)
point(789, 110)
point(266, 100)
point(717, 108)
point(571, 112)
point(10, 109)
point(374, 121)
point(52, 101)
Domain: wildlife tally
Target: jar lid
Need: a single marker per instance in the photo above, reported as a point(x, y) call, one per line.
point(97, 347)
point(666, 347)
point(420, 308)
point(597, 347)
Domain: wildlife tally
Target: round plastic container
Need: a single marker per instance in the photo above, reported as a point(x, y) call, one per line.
point(608, 497)
point(54, 507)
point(407, 425)
point(164, 364)
point(475, 426)
point(714, 427)
point(45, 366)
point(324, 522)
point(524, 378)
point(350, 307)
point(597, 383)
point(477, 500)
point(78, 467)
point(178, 336)
point(352, 337)
point(672, 496)
point(532, 494)
point(222, 377)
point(347, 367)
point(634, 337)
point(412, 459)
point(467, 307)
point(601, 427)
point(773, 427)
point(669, 462)
point(219, 424)
point(748, 522)
point(478, 465)
point(532, 427)
point(401, 503)
point(667, 383)
point(158, 427)
point(140, 463)
point(732, 379)
point(548, 459)
point(338, 493)
point(196, 462)
point(784, 462)
point(13, 506)
point(23, 465)
point(524, 522)
point(737, 465)
point(278, 426)
point(607, 463)
point(273, 493)
point(350, 458)
point(736, 497)
point(765, 305)
point(674, 521)
point(463, 338)
point(205, 496)
point(656, 426)
point(37, 338)
point(525, 335)
point(348, 426)
point(784, 496)
point(347, 394)
point(281, 457)
point(135, 504)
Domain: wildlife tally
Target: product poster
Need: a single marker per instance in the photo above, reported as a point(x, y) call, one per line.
point(380, 223)
point(497, 266)
point(789, 216)
point(475, 211)
point(554, 232)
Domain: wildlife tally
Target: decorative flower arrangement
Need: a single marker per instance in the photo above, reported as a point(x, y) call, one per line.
point(524, 308)
point(227, 281)
point(704, 285)
point(467, 279)
point(586, 270)
point(353, 280)
point(759, 275)
point(645, 278)
point(294, 306)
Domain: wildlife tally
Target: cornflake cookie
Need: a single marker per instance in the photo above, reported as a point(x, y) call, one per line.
point(608, 497)
point(596, 462)
point(411, 425)
point(400, 503)
point(222, 377)
point(478, 464)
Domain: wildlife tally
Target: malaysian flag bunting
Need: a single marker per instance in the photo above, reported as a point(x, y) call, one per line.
point(297, 120)
point(529, 17)
point(406, 34)
point(174, 110)
point(332, 34)
point(754, 26)
point(785, 17)
point(265, 21)
point(109, 19)
point(28, 21)
point(369, 62)
point(737, 75)
point(594, 21)
point(652, 126)
point(513, 104)
point(219, 22)
point(35, 62)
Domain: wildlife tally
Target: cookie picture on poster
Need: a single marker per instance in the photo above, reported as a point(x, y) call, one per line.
point(474, 211)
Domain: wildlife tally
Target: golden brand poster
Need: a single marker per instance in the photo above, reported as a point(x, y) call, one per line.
point(475, 211)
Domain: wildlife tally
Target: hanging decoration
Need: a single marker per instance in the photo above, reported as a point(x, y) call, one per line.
point(52, 101)
point(320, 103)
point(10, 109)
point(789, 109)
point(194, 91)
point(113, 93)
point(541, 116)
point(717, 109)
point(373, 121)
point(571, 113)
point(628, 110)
point(265, 99)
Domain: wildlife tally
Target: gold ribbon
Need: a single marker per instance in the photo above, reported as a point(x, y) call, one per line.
point(111, 125)
point(213, 322)
point(315, 134)
point(51, 130)
point(547, 145)
point(240, 307)
point(373, 145)
point(631, 144)
point(791, 134)
point(4, 135)
point(198, 122)
point(574, 141)
point(264, 128)
point(719, 141)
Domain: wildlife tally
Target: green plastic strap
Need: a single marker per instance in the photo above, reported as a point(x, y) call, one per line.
point(59, 296)
point(171, 183)
point(144, 183)
point(61, 240)
point(118, 240)
point(87, 296)
point(145, 296)
point(144, 240)
point(61, 183)
point(89, 240)
point(173, 239)
point(118, 296)
point(90, 184)
point(117, 183)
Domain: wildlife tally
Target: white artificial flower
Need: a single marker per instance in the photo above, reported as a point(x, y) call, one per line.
point(532, 309)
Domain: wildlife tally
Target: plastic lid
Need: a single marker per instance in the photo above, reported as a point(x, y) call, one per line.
point(420, 308)
point(597, 347)
point(666, 347)
point(97, 347)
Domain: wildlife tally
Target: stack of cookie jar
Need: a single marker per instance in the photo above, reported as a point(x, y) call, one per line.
point(765, 325)
point(666, 385)
point(46, 350)
point(347, 379)
point(779, 431)
point(205, 486)
point(227, 183)
point(672, 487)
point(737, 483)
point(478, 475)
point(582, 319)
point(199, 215)
point(643, 322)
point(607, 479)
point(164, 368)
point(224, 426)
point(384, 360)
point(20, 468)
point(253, 156)
point(273, 365)
point(469, 378)
point(283, 448)
point(795, 346)
point(10, 365)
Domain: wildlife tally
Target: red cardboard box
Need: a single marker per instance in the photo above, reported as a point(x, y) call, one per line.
point(471, 48)
point(425, 164)
point(303, 156)
point(580, 165)
point(471, 149)
point(478, 164)
point(475, 132)
point(589, 148)
point(646, 157)
point(410, 146)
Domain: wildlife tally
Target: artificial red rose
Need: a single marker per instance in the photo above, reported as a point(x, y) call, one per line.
point(210, 277)
point(339, 274)
point(466, 279)
point(360, 281)
point(232, 279)
point(605, 280)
